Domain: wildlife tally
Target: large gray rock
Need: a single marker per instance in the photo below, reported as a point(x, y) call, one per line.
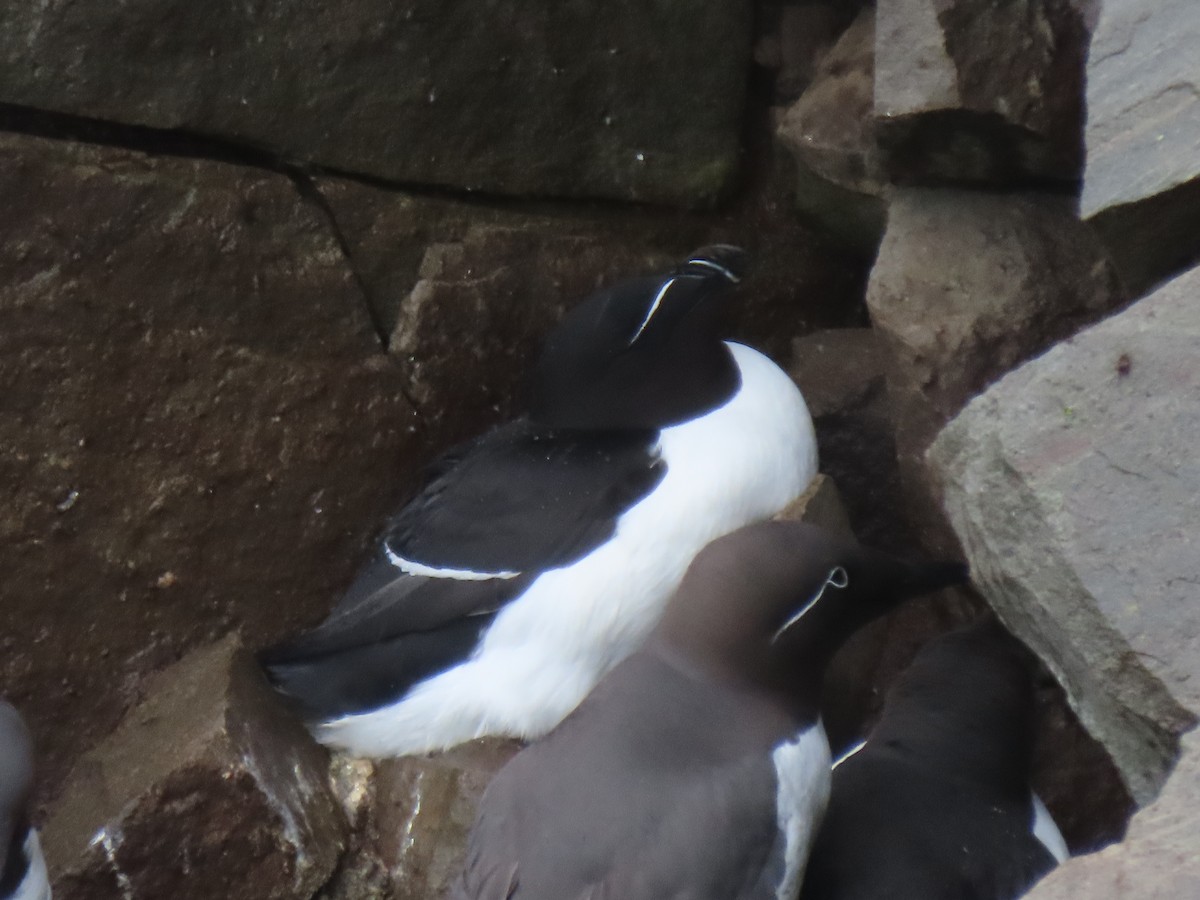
point(636, 100)
point(967, 285)
point(981, 91)
point(1156, 861)
point(198, 429)
point(1141, 186)
point(830, 131)
point(1072, 485)
point(207, 789)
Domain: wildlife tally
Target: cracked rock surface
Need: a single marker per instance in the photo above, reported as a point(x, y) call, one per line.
point(632, 100)
point(185, 357)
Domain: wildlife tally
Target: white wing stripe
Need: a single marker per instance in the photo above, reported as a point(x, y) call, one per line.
point(412, 567)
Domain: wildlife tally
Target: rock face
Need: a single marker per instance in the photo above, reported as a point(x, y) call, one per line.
point(1142, 182)
point(638, 101)
point(412, 816)
point(1072, 483)
point(966, 286)
point(974, 90)
point(197, 428)
point(830, 131)
point(207, 789)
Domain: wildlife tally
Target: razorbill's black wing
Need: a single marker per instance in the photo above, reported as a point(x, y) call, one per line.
point(494, 514)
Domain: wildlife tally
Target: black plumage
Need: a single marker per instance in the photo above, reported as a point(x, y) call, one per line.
point(937, 804)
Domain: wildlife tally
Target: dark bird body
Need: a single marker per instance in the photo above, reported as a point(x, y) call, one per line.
point(937, 804)
point(698, 766)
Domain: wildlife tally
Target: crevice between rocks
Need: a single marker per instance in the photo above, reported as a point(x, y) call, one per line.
point(181, 142)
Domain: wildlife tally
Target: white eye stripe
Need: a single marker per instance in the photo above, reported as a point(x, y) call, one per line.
point(837, 578)
point(662, 292)
point(716, 267)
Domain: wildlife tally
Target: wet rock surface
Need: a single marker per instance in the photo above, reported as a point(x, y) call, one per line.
point(976, 91)
point(1071, 484)
point(1141, 186)
point(639, 101)
point(199, 431)
point(207, 789)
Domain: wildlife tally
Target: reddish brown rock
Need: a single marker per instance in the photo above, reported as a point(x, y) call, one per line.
point(197, 429)
point(967, 286)
point(412, 816)
point(978, 91)
point(207, 789)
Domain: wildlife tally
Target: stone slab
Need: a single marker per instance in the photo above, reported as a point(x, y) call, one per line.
point(207, 789)
point(1072, 485)
point(636, 100)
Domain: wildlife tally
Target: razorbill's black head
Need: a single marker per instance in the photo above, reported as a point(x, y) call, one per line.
point(697, 767)
point(22, 868)
point(644, 353)
point(936, 804)
point(541, 553)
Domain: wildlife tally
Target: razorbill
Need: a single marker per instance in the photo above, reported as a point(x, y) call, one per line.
point(698, 767)
point(540, 554)
point(937, 803)
point(22, 867)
